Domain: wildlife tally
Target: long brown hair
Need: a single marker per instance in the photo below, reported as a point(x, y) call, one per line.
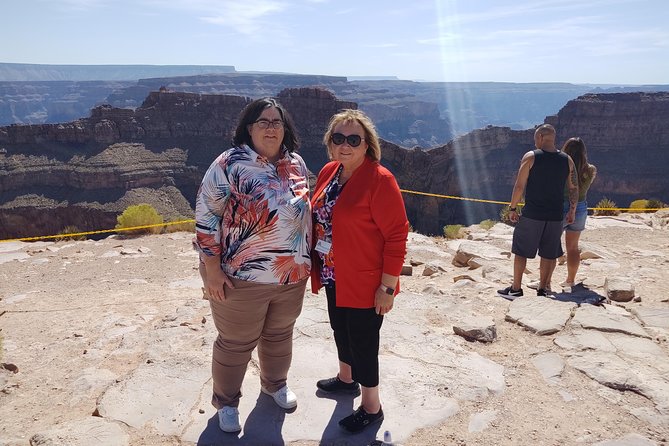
point(575, 148)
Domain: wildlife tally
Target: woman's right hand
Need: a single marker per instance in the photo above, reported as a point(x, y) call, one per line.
point(215, 280)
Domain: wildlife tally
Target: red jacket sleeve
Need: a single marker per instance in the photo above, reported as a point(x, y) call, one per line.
point(389, 214)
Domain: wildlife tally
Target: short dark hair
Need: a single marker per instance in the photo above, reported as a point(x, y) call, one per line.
point(252, 112)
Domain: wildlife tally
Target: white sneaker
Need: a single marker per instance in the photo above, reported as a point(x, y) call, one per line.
point(535, 285)
point(228, 419)
point(284, 397)
point(567, 286)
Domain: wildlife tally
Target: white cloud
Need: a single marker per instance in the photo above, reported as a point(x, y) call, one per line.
point(246, 18)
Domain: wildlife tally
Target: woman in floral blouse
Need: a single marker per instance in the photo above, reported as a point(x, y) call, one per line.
point(253, 225)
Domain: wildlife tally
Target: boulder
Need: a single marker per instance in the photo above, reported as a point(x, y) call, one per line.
point(619, 289)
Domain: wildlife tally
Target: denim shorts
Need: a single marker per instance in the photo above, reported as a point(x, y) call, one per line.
point(581, 216)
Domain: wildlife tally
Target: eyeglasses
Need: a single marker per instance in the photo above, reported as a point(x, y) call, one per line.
point(265, 124)
point(352, 140)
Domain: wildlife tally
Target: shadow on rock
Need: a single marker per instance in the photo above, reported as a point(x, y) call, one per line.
point(262, 426)
point(333, 435)
point(581, 294)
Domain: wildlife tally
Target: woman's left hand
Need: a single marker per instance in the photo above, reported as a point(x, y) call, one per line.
point(383, 302)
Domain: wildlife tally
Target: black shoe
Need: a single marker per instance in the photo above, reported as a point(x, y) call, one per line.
point(509, 293)
point(359, 420)
point(336, 385)
point(543, 292)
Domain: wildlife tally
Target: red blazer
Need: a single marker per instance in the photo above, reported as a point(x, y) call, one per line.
point(369, 233)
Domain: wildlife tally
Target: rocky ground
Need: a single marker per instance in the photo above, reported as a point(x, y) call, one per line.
point(109, 343)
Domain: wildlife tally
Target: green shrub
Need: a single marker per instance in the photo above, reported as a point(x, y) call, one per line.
point(69, 230)
point(655, 204)
point(453, 231)
point(140, 215)
point(487, 224)
point(638, 206)
point(605, 207)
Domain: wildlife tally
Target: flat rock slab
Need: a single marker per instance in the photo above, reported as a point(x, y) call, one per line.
point(159, 395)
point(90, 431)
point(540, 315)
point(550, 365)
point(602, 319)
point(582, 340)
point(425, 375)
point(617, 372)
point(653, 316)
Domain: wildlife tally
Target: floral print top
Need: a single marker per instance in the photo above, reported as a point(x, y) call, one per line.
point(323, 226)
point(256, 216)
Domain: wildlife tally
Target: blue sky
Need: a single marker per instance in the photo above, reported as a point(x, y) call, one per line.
point(578, 41)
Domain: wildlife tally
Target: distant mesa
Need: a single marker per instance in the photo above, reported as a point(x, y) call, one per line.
point(407, 113)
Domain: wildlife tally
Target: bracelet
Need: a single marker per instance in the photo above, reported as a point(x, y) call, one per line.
point(512, 209)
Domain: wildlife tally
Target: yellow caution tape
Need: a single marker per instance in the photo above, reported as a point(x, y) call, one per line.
point(76, 234)
point(427, 194)
point(452, 197)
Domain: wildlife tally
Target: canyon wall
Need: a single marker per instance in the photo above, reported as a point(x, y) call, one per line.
point(84, 173)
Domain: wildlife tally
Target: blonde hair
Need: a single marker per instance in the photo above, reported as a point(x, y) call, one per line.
point(371, 137)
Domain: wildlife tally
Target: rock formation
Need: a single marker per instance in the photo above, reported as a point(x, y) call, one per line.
point(78, 173)
point(626, 136)
point(170, 140)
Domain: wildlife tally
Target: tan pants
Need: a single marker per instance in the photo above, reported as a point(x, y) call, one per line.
point(253, 314)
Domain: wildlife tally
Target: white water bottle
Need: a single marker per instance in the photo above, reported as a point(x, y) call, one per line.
point(387, 439)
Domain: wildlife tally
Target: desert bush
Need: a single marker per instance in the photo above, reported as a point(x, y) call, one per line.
point(487, 224)
point(604, 207)
point(453, 231)
point(69, 230)
point(655, 204)
point(638, 206)
point(140, 215)
point(186, 225)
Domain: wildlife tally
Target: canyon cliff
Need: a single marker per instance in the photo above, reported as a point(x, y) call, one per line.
point(625, 133)
point(84, 173)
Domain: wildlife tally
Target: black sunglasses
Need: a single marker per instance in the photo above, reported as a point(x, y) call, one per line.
point(353, 140)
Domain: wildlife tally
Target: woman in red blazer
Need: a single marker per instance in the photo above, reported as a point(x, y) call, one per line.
point(360, 233)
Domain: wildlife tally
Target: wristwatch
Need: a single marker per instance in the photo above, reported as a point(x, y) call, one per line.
point(512, 209)
point(386, 289)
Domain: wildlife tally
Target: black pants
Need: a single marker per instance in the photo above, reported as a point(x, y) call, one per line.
point(356, 333)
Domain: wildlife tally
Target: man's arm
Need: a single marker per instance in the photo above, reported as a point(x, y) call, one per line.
point(526, 164)
point(572, 186)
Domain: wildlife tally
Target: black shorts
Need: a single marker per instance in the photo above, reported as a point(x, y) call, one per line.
point(356, 333)
point(531, 236)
